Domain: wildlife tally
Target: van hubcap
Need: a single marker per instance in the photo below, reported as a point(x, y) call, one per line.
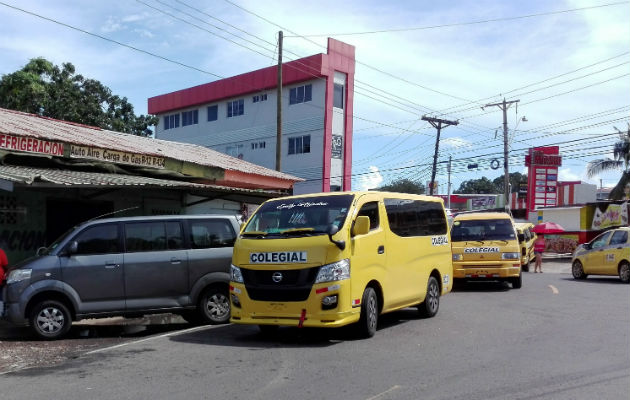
point(433, 297)
point(218, 306)
point(50, 320)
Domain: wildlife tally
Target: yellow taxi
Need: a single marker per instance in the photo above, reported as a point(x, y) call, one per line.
point(607, 254)
point(526, 239)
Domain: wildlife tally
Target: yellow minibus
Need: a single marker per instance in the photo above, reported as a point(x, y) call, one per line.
point(485, 247)
point(333, 259)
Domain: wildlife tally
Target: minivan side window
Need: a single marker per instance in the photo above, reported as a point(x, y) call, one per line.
point(415, 217)
point(211, 233)
point(99, 239)
point(619, 237)
point(145, 236)
point(370, 210)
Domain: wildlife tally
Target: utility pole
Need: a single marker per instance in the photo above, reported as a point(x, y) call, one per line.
point(504, 105)
point(437, 124)
point(448, 189)
point(279, 107)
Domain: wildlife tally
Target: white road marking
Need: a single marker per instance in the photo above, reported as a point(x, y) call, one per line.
point(554, 290)
point(197, 328)
point(391, 389)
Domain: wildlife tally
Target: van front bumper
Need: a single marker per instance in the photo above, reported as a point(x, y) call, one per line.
point(308, 313)
point(489, 270)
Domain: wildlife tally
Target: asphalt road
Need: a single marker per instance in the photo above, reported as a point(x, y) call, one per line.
point(555, 338)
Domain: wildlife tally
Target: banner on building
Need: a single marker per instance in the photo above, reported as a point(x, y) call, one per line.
point(614, 215)
point(119, 157)
point(337, 146)
point(30, 145)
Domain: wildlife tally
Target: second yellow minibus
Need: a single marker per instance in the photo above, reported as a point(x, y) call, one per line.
point(333, 259)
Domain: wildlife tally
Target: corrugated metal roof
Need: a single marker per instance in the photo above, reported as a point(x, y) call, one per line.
point(29, 125)
point(30, 175)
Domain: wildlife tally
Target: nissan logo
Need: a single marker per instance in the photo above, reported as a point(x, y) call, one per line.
point(276, 277)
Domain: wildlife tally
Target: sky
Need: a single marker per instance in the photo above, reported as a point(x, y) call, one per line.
point(565, 61)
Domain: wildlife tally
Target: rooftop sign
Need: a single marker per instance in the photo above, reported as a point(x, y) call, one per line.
point(113, 156)
point(30, 145)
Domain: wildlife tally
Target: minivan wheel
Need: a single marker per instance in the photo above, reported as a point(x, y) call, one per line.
point(214, 306)
point(578, 270)
point(624, 272)
point(431, 304)
point(517, 282)
point(369, 314)
point(50, 320)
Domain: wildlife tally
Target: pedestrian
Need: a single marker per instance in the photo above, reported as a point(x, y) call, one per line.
point(4, 263)
point(539, 247)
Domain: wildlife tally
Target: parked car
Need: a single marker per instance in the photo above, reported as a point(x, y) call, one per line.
point(607, 254)
point(126, 267)
point(526, 239)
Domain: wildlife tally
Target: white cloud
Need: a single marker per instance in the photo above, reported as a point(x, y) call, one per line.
point(566, 174)
point(455, 142)
point(111, 25)
point(371, 180)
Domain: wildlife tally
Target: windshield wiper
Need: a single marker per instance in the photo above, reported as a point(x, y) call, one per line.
point(255, 233)
point(299, 231)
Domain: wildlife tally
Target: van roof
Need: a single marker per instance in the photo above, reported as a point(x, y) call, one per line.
point(364, 192)
point(482, 215)
point(157, 217)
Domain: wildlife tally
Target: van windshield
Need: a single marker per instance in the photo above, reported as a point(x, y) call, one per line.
point(299, 216)
point(483, 229)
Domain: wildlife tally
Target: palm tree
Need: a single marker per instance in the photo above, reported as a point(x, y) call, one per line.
point(621, 161)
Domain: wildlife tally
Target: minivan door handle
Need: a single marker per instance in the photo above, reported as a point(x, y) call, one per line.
point(381, 249)
point(175, 260)
point(110, 265)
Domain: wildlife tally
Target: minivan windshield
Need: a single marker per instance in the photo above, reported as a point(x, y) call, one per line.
point(47, 250)
point(482, 229)
point(299, 216)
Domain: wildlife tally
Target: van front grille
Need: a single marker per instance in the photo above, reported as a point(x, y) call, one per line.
point(295, 285)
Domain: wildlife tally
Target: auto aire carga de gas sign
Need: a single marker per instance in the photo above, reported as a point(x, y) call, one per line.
point(119, 157)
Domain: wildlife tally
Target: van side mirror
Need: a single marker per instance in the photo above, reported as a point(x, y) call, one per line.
point(361, 225)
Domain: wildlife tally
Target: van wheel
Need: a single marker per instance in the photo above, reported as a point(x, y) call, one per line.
point(517, 282)
point(578, 270)
point(525, 267)
point(624, 272)
point(50, 320)
point(431, 304)
point(214, 306)
point(369, 314)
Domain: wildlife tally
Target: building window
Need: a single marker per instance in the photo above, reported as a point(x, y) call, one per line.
point(236, 107)
point(338, 96)
point(259, 97)
point(258, 145)
point(300, 144)
point(235, 150)
point(171, 121)
point(213, 112)
point(190, 117)
point(301, 94)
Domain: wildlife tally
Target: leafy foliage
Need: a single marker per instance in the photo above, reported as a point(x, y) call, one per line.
point(486, 186)
point(43, 88)
point(404, 186)
point(620, 161)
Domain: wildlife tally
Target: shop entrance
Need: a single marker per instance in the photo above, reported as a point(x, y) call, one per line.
point(63, 214)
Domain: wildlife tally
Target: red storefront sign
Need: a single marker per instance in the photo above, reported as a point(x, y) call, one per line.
point(30, 145)
point(542, 177)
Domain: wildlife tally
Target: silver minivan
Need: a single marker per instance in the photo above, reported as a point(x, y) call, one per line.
point(126, 267)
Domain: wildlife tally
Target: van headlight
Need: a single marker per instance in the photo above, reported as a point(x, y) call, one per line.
point(237, 275)
point(19, 275)
point(337, 271)
point(458, 257)
point(510, 256)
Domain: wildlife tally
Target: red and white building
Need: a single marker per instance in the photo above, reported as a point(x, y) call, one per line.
point(237, 116)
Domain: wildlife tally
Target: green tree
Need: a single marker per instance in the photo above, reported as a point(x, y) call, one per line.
point(404, 185)
point(516, 178)
point(43, 88)
point(620, 161)
point(477, 186)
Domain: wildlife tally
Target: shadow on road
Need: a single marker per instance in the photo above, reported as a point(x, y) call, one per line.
point(596, 280)
point(481, 286)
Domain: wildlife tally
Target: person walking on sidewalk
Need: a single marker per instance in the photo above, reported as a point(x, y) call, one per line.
point(539, 247)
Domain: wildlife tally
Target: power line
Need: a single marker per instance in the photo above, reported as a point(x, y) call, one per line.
point(467, 23)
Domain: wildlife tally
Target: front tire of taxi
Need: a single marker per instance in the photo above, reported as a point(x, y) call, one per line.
point(369, 314)
point(624, 272)
point(577, 269)
point(431, 304)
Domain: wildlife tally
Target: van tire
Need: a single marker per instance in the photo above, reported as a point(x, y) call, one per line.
point(214, 306)
point(368, 321)
point(431, 304)
point(525, 267)
point(50, 320)
point(517, 282)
